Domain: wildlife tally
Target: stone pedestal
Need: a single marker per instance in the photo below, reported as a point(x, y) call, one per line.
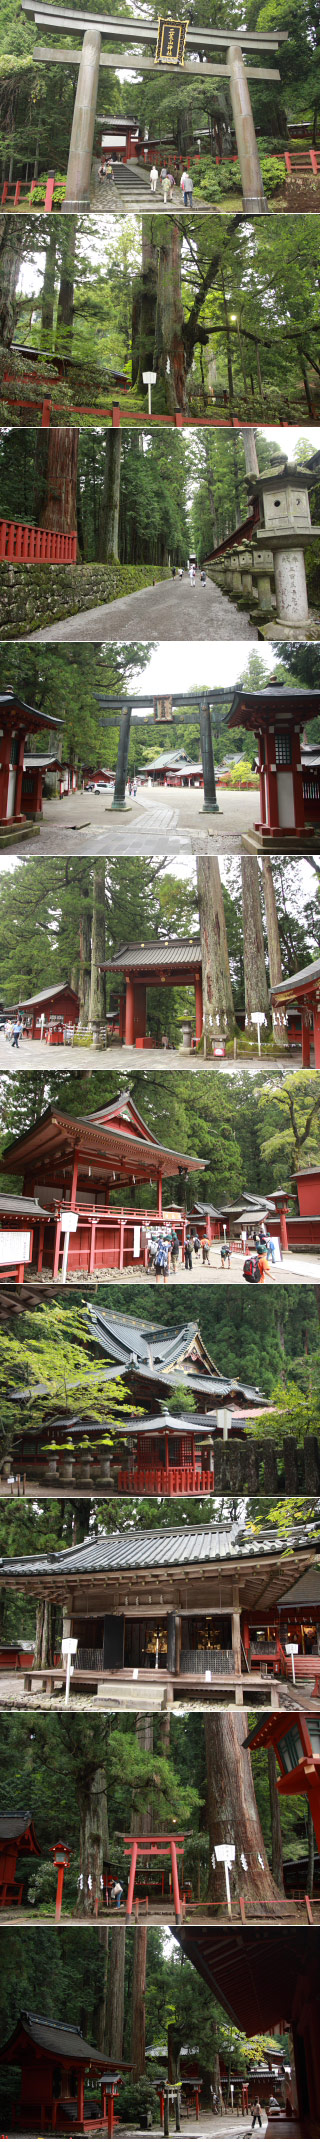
point(209, 779)
point(290, 586)
point(77, 193)
point(254, 199)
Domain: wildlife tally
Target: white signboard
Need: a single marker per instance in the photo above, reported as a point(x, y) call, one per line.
point(69, 1222)
point(136, 1241)
point(15, 1248)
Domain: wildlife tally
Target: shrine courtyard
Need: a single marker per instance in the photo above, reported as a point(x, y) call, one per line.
point(157, 821)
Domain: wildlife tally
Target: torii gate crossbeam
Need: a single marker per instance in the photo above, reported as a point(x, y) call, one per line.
point(197, 42)
point(124, 711)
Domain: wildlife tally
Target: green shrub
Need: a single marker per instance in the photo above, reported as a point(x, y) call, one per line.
point(37, 198)
point(273, 173)
point(138, 2099)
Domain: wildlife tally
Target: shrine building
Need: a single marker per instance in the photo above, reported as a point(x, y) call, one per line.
point(296, 1742)
point(301, 995)
point(174, 964)
point(82, 1168)
point(162, 1453)
point(268, 1980)
point(194, 1611)
point(20, 789)
point(46, 1016)
point(277, 717)
point(61, 2074)
point(17, 1840)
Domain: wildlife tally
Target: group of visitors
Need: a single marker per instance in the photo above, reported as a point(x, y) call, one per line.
point(105, 170)
point(164, 1254)
point(169, 180)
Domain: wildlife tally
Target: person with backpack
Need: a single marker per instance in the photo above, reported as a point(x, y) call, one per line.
point(188, 1247)
point(225, 1254)
point(174, 1249)
point(162, 1260)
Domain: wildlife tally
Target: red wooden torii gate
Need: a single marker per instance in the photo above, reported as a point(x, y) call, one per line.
point(154, 1847)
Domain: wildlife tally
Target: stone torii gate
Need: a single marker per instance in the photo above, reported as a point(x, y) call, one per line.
point(174, 45)
point(162, 711)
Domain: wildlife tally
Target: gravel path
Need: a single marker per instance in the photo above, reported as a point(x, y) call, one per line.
point(173, 610)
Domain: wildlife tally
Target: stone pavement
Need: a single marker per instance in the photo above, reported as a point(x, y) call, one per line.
point(297, 1267)
point(36, 1056)
point(173, 610)
point(158, 821)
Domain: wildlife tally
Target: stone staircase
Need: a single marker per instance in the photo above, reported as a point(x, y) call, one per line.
point(128, 194)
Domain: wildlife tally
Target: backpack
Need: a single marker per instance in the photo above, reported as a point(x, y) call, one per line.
point(251, 1269)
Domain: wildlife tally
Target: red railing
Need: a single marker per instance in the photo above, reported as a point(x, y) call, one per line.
point(298, 159)
point(162, 1480)
point(116, 415)
point(21, 544)
point(13, 192)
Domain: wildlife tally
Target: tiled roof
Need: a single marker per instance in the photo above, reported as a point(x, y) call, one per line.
point(180, 1547)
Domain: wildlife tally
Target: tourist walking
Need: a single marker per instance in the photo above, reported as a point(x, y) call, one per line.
point(225, 1254)
point(16, 1033)
point(256, 2114)
point(206, 1247)
point(174, 1250)
point(154, 175)
point(186, 183)
point(188, 1254)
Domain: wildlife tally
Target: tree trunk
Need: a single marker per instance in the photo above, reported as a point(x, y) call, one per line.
point(276, 1836)
point(48, 287)
point(45, 1634)
point(274, 947)
point(97, 1006)
point(310, 1853)
point(108, 537)
point(250, 451)
point(100, 2013)
point(255, 979)
point(85, 968)
point(218, 1012)
point(139, 2002)
point(233, 1814)
point(11, 252)
point(59, 510)
point(92, 1802)
point(116, 1993)
point(65, 310)
point(169, 341)
point(144, 310)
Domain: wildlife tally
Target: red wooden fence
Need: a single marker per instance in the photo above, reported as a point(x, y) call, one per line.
point(22, 544)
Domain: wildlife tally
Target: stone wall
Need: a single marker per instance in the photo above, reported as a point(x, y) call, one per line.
point(33, 596)
point(251, 1467)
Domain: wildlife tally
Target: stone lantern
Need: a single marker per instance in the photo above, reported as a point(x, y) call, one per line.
point(285, 528)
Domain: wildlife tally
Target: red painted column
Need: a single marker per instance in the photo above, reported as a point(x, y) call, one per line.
point(306, 1043)
point(81, 2099)
point(5, 749)
point(59, 1895)
point(19, 779)
point(129, 1025)
point(313, 1785)
point(74, 1184)
point(132, 1876)
point(316, 1037)
point(159, 1207)
point(92, 1247)
point(110, 2112)
point(199, 1006)
point(175, 1879)
point(271, 779)
point(104, 2100)
point(56, 1250)
point(41, 1243)
point(283, 1230)
point(297, 775)
point(121, 1250)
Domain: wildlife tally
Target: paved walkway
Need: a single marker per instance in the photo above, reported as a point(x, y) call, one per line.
point(36, 1056)
point(158, 821)
point(173, 610)
point(296, 1269)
